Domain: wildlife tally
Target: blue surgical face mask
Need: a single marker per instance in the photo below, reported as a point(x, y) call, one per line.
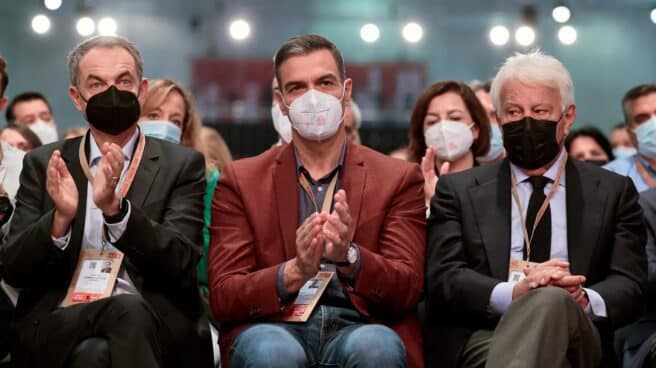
point(496, 144)
point(646, 135)
point(162, 129)
point(624, 152)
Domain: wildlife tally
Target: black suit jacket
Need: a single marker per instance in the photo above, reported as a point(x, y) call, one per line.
point(161, 243)
point(469, 249)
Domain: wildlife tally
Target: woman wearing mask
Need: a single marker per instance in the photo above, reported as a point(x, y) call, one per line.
point(448, 130)
point(590, 145)
point(169, 113)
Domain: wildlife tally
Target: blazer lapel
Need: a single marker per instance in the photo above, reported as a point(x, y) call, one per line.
point(584, 209)
point(146, 174)
point(70, 154)
point(354, 176)
point(493, 211)
point(286, 190)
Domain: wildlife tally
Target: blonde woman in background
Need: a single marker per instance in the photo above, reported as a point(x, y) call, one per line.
point(170, 113)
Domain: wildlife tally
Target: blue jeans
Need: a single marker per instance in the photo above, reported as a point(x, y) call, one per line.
point(332, 337)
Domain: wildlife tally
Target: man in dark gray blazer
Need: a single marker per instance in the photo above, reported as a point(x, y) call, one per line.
point(113, 191)
point(579, 226)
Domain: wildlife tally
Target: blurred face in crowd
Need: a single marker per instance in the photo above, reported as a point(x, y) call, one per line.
point(485, 100)
point(349, 126)
point(103, 67)
point(29, 112)
point(172, 109)
point(15, 139)
point(317, 70)
point(643, 109)
point(621, 137)
point(449, 106)
point(585, 148)
point(519, 100)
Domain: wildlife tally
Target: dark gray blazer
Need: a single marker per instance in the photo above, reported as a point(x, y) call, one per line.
point(469, 249)
point(162, 244)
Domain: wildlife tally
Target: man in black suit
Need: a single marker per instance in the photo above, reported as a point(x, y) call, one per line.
point(111, 193)
point(579, 226)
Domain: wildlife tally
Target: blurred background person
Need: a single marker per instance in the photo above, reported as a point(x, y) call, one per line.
point(4, 81)
point(74, 132)
point(352, 122)
point(590, 145)
point(216, 151)
point(33, 110)
point(20, 137)
point(449, 128)
point(639, 107)
point(496, 151)
point(623, 141)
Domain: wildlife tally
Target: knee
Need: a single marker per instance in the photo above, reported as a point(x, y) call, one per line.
point(553, 298)
point(132, 310)
point(376, 345)
point(92, 352)
point(267, 345)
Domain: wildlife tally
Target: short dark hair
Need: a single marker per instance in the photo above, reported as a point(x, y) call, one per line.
point(4, 77)
point(304, 45)
point(596, 135)
point(24, 97)
point(32, 139)
point(634, 94)
point(417, 145)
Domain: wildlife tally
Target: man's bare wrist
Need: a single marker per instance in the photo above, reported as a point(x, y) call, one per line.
point(60, 224)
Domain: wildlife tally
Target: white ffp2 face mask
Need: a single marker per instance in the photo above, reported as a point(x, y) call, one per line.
point(46, 132)
point(316, 115)
point(450, 139)
point(281, 124)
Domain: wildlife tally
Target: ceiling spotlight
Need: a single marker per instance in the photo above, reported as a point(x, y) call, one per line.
point(652, 15)
point(412, 32)
point(369, 33)
point(567, 35)
point(107, 26)
point(52, 4)
point(40, 24)
point(525, 36)
point(561, 14)
point(239, 30)
point(499, 35)
point(85, 26)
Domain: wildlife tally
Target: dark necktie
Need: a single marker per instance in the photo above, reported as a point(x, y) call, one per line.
point(541, 239)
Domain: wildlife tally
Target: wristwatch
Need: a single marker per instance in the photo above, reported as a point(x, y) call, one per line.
point(122, 211)
point(351, 257)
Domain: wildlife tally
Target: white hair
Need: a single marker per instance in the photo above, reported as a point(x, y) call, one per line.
point(533, 68)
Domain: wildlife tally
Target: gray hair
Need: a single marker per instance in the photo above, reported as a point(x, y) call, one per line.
point(533, 68)
point(101, 42)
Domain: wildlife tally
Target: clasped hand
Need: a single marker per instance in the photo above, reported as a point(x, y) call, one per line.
point(556, 273)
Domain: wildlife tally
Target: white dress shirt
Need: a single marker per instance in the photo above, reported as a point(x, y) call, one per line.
point(94, 221)
point(501, 296)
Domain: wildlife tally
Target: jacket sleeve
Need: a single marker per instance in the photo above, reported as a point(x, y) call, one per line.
point(29, 257)
point(239, 289)
point(391, 278)
point(623, 289)
point(451, 283)
point(169, 249)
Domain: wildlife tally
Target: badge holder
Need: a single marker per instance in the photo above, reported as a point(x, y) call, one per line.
point(307, 298)
point(95, 276)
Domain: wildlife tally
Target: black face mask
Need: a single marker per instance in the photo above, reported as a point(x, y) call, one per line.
point(6, 209)
point(531, 143)
point(597, 162)
point(113, 111)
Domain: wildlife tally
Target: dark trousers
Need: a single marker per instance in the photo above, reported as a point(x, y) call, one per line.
point(129, 325)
